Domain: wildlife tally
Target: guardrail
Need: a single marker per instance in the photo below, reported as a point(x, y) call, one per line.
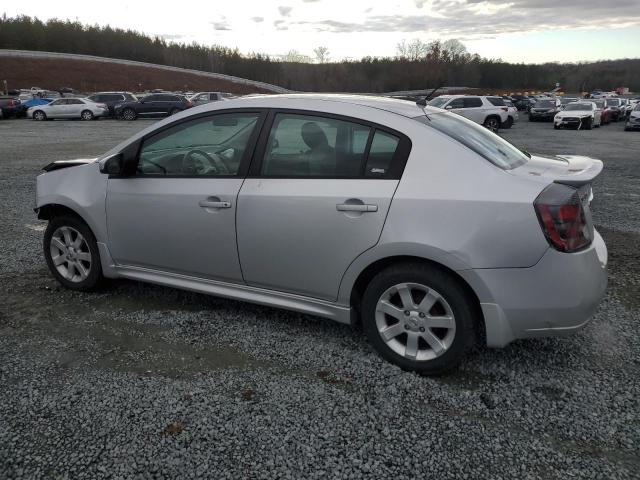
point(74, 56)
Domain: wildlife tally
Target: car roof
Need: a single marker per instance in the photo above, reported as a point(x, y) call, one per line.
point(401, 107)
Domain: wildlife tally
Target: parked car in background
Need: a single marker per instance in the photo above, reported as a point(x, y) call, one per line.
point(206, 97)
point(33, 102)
point(82, 108)
point(544, 109)
point(581, 115)
point(606, 112)
point(633, 122)
point(488, 111)
point(282, 201)
point(567, 100)
point(111, 99)
point(614, 105)
point(154, 105)
point(10, 105)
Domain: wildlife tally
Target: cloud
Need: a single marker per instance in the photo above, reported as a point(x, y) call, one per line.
point(473, 19)
point(221, 24)
point(285, 11)
point(419, 3)
point(280, 25)
point(257, 19)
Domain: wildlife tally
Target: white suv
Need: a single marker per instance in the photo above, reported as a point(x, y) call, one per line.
point(488, 111)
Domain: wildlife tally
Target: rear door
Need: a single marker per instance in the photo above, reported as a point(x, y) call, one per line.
point(473, 109)
point(73, 108)
point(316, 197)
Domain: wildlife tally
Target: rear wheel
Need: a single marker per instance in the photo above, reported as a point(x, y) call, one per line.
point(418, 317)
point(39, 115)
point(129, 114)
point(492, 123)
point(509, 123)
point(71, 252)
point(86, 115)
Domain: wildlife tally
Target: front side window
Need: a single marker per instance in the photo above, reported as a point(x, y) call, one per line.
point(456, 103)
point(58, 102)
point(438, 102)
point(310, 146)
point(479, 139)
point(207, 146)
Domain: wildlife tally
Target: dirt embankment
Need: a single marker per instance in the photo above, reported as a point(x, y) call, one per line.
point(93, 76)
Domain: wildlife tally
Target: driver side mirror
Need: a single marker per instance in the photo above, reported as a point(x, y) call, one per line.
point(448, 107)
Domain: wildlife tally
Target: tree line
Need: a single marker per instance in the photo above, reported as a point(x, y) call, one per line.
point(417, 65)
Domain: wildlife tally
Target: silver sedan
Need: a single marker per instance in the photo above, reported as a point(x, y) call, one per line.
point(81, 108)
point(429, 230)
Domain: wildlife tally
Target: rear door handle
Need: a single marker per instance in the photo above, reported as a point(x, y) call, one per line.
point(356, 207)
point(212, 204)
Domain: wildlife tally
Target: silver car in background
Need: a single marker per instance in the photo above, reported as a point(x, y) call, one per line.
point(81, 108)
point(429, 230)
point(206, 97)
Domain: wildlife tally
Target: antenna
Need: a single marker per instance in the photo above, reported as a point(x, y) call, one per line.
point(423, 102)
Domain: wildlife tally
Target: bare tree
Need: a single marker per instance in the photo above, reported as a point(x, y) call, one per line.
point(454, 47)
point(415, 50)
point(322, 54)
point(295, 56)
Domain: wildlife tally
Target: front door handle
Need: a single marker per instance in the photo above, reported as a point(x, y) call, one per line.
point(214, 204)
point(356, 207)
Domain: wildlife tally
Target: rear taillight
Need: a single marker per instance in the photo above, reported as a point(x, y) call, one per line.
point(504, 109)
point(563, 217)
point(189, 104)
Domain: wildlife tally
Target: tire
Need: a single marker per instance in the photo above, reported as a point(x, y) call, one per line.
point(39, 115)
point(451, 342)
point(556, 127)
point(588, 124)
point(129, 114)
point(492, 123)
point(79, 268)
point(174, 111)
point(86, 115)
point(508, 124)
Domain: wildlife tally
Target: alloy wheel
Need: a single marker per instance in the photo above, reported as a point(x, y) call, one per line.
point(70, 254)
point(415, 321)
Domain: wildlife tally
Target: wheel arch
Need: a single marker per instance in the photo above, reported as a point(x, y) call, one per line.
point(369, 271)
point(51, 210)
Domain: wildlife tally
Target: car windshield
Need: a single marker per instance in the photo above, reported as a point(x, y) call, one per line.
point(545, 104)
point(438, 102)
point(572, 107)
point(479, 139)
point(599, 103)
point(637, 107)
point(613, 101)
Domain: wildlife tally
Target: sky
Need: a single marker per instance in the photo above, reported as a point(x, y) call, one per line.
point(531, 31)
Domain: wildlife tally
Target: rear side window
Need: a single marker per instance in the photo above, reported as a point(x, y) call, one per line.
point(301, 146)
point(496, 101)
point(383, 149)
point(472, 102)
point(477, 138)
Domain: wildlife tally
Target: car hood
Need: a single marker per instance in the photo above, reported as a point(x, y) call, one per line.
point(60, 164)
point(574, 170)
point(574, 113)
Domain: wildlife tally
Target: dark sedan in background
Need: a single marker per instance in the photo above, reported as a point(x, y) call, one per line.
point(544, 109)
point(112, 99)
point(154, 105)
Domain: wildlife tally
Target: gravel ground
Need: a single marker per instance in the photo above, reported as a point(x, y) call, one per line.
point(141, 381)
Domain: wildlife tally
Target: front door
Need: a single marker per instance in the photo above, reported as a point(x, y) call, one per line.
point(316, 198)
point(178, 213)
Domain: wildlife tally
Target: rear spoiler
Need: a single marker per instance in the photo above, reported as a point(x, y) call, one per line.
point(583, 177)
point(60, 164)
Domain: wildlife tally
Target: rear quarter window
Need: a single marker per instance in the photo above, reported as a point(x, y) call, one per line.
point(496, 101)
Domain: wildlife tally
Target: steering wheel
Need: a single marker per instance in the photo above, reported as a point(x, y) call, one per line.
point(199, 162)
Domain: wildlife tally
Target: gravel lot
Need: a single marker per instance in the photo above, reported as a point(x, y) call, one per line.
point(141, 381)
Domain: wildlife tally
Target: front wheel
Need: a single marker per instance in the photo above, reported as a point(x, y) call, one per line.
point(419, 318)
point(39, 116)
point(71, 252)
point(129, 114)
point(587, 124)
point(86, 115)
